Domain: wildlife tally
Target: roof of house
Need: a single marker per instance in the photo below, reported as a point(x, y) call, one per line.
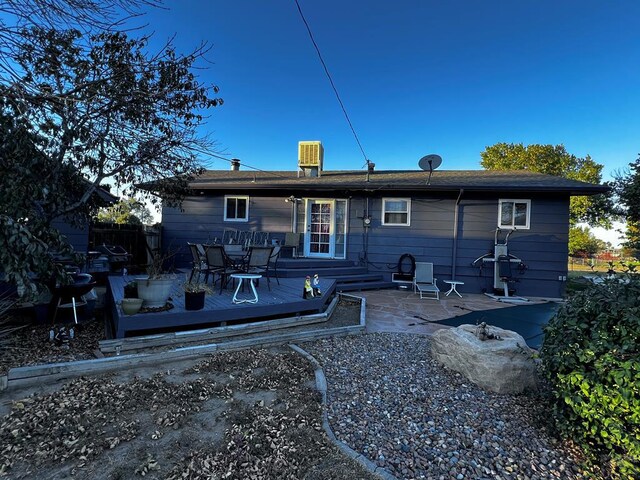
point(395, 180)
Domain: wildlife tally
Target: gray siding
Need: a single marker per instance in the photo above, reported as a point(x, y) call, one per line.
point(543, 248)
point(77, 237)
point(202, 220)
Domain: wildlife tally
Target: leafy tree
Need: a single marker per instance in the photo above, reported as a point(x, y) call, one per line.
point(19, 16)
point(583, 242)
point(627, 188)
point(555, 160)
point(28, 201)
point(127, 210)
point(88, 108)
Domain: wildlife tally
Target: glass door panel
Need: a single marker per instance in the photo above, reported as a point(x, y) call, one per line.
point(340, 250)
point(319, 241)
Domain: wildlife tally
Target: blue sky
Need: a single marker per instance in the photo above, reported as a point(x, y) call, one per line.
point(417, 77)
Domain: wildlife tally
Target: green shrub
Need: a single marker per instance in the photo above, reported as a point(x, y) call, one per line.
point(591, 357)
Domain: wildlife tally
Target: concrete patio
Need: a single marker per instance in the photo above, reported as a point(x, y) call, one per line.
point(403, 311)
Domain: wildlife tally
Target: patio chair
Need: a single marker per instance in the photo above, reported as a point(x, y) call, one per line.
point(273, 261)
point(198, 261)
point(292, 241)
point(258, 262)
point(424, 282)
point(233, 249)
point(219, 263)
point(236, 254)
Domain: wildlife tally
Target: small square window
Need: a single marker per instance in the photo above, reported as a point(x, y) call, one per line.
point(396, 211)
point(514, 214)
point(236, 209)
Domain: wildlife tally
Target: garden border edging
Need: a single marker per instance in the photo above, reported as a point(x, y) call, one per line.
point(48, 373)
point(321, 386)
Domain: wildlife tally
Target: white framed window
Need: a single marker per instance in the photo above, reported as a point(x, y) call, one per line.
point(236, 208)
point(396, 211)
point(514, 214)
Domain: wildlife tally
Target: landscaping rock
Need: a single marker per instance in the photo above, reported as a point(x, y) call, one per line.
point(503, 365)
point(385, 391)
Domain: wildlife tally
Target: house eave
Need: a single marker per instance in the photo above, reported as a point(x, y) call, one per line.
point(418, 189)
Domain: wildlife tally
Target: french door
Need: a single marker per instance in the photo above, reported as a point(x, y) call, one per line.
point(320, 238)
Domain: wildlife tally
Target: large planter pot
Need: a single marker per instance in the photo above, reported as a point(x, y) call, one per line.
point(194, 300)
point(155, 292)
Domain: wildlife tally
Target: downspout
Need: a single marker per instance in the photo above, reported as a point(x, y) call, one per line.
point(365, 243)
point(294, 216)
point(454, 254)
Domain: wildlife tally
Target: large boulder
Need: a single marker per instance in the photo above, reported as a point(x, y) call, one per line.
point(503, 366)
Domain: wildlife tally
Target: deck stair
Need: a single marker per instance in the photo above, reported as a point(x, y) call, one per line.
point(349, 277)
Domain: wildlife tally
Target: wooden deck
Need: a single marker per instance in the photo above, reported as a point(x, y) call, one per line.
point(283, 300)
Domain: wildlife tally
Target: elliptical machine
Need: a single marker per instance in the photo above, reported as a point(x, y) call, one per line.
point(502, 272)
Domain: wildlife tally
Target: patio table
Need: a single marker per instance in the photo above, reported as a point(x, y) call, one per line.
point(250, 278)
point(453, 287)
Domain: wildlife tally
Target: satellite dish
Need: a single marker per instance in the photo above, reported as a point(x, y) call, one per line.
point(430, 162)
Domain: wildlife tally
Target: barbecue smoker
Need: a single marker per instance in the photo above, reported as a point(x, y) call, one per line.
point(118, 257)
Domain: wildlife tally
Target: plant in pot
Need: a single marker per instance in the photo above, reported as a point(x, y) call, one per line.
point(155, 288)
point(194, 295)
point(131, 290)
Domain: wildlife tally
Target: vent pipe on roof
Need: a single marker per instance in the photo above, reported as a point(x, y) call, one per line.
point(370, 168)
point(235, 164)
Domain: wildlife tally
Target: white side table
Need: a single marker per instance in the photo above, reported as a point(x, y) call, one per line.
point(250, 278)
point(453, 287)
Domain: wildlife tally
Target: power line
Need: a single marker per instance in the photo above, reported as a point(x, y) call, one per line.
point(335, 90)
point(215, 155)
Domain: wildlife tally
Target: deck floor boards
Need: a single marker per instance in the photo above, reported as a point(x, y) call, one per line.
point(283, 300)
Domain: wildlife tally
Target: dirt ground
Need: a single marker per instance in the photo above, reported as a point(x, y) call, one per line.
point(31, 345)
point(250, 414)
point(236, 415)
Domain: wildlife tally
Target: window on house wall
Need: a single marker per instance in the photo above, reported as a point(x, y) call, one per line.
point(396, 211)
point(236, 209)
point(514, 214)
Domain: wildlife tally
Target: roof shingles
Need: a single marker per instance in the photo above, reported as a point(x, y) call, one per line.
point(441, 180)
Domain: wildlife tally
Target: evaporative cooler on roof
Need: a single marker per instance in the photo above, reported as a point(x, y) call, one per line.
point(310, 156)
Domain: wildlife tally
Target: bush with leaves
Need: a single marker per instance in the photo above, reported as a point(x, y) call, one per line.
point(591, 356)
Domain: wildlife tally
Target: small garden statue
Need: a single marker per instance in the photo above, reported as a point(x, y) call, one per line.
point(61, 336)
point(483, 333)
point(308, 290)
point(316, 286)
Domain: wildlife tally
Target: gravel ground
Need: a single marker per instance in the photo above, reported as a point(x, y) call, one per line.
point(391, 402)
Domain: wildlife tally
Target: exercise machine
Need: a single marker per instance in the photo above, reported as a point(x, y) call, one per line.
point(503, 262)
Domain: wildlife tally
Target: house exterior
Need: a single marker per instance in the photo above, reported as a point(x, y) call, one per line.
point(449, 218)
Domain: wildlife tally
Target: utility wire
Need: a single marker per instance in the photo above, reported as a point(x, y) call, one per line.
point(335, 90)
point(215, 155)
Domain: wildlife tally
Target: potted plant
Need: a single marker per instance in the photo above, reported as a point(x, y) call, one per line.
point(194, 294)
point(131, 289)
point(155, 288)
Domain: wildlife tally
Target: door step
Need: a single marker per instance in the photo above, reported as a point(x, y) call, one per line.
point(348, 276)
